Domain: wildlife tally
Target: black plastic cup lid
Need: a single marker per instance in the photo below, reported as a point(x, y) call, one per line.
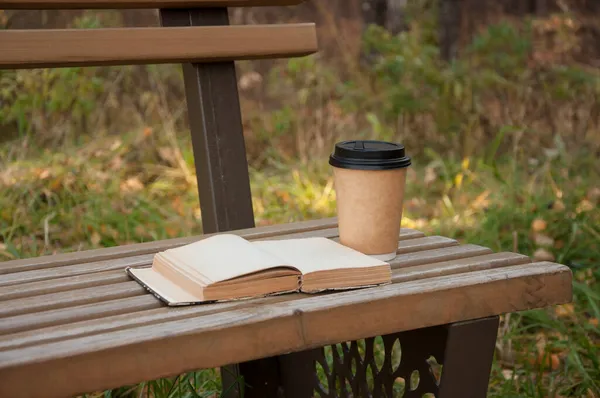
point(369, 155)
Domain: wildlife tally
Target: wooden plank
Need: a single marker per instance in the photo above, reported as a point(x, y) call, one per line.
point(62, 284)
point(41, 48)
point(70, 298)
point(65, 331)
point(74, 270)
point(437, 255)
point(83, 327)
point(52, 261)
point(78, 313)
point(65, 271)
point(478, 263)
point(97, 294)
point(129, 356)
point(422, 244)
point(133, 4)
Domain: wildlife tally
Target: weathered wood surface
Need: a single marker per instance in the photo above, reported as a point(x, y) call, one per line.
point(87, 256)
point(42, 48)
point(133, 4)
point(81, 326)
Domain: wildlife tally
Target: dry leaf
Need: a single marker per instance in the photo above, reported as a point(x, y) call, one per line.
point(540, 343)
point(543, 240)
point(590, 394)
point(116, 163)
point(250, 80)
point(564, 310)
point(171, 232)
point(539, 225)
point(508, 374)
point(178, 206)
point(132, 184)
point(115, 145)
point(559, 244)
point(44, 174)
point(593, 321)
point(558, 206)
point(430, 175)
point(168, 155)
point(554, 362)
point(147, 132)
point(543, 255)
point(594, 195)
point(584, 205)
point(95, 238)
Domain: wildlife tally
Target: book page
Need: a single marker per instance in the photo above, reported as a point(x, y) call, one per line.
point(222, 257)
point(317, 254)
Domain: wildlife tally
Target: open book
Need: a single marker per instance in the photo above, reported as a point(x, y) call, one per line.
point(228, 267)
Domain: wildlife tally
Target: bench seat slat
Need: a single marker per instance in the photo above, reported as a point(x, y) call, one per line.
point(52, 261)
point(79, 313)
point(133, 4)
point(71, 298)
point(47, 273)
point(77, 327)
point(418, 255)
point(129, 356)
point(128, 46)
point(60, 284)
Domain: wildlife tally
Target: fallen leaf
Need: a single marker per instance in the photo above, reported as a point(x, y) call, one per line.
point(590, 393)
point(584, 206)
point(543, 255)
point(178, 206)
point(132, 184)
point(168, 155)
point(147, 132)
point(593, 321)
point(559, 244)
point(116, 163)
point(543, 240)
point(430, 175)
point(564, 310)
point(594, 195)
point(507, 374)
point(95, 238)
point(539, 225)
point(115, 145)
point(171, 232)
point(554, 362)
point(558, 206)
point(250, 80)
point(540, 343)
point(44, 174)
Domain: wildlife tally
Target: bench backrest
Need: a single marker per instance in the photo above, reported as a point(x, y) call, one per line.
point(197, 34)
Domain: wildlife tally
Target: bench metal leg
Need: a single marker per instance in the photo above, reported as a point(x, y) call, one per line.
point(468, 358)
point(389, 365)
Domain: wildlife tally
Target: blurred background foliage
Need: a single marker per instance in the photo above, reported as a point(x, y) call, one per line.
point(496, 101)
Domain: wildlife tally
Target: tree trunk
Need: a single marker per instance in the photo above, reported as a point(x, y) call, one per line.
point(449, 28)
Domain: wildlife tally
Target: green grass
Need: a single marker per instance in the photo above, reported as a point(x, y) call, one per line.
point(141, 187)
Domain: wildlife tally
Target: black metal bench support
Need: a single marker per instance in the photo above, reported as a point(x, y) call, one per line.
point(368, 369)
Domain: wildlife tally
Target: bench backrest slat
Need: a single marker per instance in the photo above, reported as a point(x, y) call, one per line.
point(126, 46)
point(133, 4)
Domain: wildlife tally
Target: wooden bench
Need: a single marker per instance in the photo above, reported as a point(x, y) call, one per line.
point(74, 323)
